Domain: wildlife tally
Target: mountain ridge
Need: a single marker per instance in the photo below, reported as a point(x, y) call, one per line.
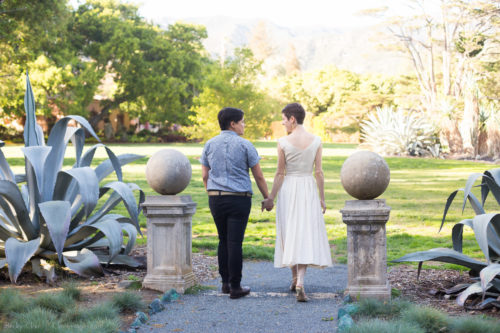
point(352, 49)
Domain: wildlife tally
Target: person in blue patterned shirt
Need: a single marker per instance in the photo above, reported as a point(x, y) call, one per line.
point(225, 163)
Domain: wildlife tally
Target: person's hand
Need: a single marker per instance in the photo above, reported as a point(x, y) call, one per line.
point(323, 206)
point(267, 204)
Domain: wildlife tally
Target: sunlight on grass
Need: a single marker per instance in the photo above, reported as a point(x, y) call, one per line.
point(417, 194)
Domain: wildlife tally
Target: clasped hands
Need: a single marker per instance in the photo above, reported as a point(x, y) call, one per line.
point(267, 204)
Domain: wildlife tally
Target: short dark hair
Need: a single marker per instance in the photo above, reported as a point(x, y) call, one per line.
point(227, 115)
point(296, 110)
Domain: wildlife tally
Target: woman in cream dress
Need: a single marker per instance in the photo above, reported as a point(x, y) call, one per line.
point(301, 238)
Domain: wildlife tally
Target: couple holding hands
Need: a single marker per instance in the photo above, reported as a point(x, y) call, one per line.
point(298, 186)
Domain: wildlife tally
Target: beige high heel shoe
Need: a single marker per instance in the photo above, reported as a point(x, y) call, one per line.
point(301, 295)
point(293, 285)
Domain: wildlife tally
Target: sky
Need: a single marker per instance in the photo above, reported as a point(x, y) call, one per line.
point(287, 13)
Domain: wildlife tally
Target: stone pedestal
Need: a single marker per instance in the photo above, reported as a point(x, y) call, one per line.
point(169, 242)
point(366, 248)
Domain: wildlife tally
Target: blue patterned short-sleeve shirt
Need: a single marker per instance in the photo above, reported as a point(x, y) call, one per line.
point(229, 158)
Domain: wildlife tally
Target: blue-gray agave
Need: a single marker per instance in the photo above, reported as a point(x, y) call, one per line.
point(390, 132)
point(48, 213)
point(486, 227)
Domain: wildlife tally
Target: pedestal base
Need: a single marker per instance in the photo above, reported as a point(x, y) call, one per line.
point(366, 248)
point(164, 283)
point(362, 292)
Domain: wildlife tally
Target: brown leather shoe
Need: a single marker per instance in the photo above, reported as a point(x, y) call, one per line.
point(225, 288)
point(239, 292)
point(301, 295)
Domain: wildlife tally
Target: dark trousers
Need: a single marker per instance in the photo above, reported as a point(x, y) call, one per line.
point(230, 215)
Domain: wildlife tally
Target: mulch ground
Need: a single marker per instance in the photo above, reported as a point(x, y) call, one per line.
point(429, 288)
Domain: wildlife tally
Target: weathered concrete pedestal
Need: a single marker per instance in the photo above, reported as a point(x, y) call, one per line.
point(169, 242)
point(366, 248)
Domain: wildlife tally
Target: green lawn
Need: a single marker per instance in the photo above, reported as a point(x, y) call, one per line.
point(417, 193)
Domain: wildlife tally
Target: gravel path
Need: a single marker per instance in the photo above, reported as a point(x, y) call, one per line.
point(270, 307)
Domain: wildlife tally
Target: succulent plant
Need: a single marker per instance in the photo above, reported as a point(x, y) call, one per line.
point(486, 227)
point(390, 132)
point(49, 213)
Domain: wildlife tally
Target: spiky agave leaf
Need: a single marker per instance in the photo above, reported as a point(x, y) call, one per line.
point(115, 162)
point(443, 255)
point(18, 253)
point(84, 263)
point(32, 135)
point(11, 194)
point(88, 186)
point(57, 140)
point(57, 216)
point(88, 235)
point(491, 179)
point(487, 274)
point(5, 170)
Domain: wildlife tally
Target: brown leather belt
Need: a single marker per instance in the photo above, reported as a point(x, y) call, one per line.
point(239, 194)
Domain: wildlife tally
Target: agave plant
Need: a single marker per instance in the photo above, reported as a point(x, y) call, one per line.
point(390, 132)
point(486, 227)
point(49, 213)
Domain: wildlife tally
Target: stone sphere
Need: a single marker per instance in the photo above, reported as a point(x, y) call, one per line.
point(168, 171)
point(365, 175)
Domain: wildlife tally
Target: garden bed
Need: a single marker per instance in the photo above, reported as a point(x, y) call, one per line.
point(429, 289)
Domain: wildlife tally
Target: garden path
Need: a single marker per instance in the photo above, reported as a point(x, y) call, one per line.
point(270, 307)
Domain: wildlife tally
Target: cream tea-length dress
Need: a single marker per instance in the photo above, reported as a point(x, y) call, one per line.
point(300, 228)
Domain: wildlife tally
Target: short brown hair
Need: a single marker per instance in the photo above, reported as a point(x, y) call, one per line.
point(227, 115)
point(296, 110)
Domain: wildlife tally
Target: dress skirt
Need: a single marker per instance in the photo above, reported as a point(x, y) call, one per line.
point(300, 227)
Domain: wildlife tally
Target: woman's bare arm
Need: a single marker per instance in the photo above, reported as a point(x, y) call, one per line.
point(320, 178)
point(280, 174)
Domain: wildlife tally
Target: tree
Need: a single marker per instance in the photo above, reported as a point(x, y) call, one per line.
point(157, 73)
point(460, 35)
point(260, 43)
point(292, 64)
point(31, 36)
point(232, 85)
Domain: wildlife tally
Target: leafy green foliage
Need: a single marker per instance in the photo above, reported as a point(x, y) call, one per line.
point(156, 72)
point(390, 132)
point(232, 85)
point(52, 215)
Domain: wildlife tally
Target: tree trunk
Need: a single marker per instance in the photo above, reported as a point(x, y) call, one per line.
point(450, 136)
point(469, 126)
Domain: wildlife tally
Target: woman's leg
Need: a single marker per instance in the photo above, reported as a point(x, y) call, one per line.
point(293, 269)
point(301, 272)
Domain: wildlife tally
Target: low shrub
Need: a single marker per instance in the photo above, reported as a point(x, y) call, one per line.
point(71, 290)
point(382, 326)
point(34, 320)
point(473, 325)
point(127, 301)
point(58, 302)
point(11, 302)
point(431, 320)
point(375, 308)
